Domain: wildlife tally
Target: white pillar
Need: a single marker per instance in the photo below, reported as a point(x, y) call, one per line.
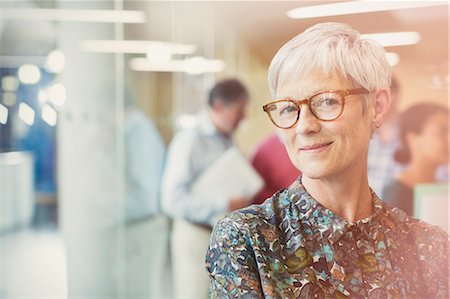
point(89, 161)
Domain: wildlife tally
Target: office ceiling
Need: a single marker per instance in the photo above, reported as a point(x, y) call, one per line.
point(264, 27)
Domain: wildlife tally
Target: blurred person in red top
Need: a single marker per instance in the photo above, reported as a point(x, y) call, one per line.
point(271, 160)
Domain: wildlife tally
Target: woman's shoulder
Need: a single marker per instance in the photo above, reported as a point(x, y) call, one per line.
point(254, 217)
point(419, 230)
point(432, 249)
point(428, 233)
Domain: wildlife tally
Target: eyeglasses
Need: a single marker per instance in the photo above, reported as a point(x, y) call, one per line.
point(326, 106)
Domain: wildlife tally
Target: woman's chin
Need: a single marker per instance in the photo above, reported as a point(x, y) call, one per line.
point(315, 172)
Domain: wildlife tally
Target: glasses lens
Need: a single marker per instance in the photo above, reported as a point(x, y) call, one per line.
point(327, 106)
point(284, 113)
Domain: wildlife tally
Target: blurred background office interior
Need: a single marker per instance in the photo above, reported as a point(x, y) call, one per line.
point(66, 70)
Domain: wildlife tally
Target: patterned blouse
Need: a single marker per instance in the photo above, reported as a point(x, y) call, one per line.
point(293, 247)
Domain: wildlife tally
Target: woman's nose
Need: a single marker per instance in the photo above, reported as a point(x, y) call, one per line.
point(307, 121)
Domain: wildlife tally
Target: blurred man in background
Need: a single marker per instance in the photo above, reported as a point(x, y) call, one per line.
point(147, 230)
point(191, 152)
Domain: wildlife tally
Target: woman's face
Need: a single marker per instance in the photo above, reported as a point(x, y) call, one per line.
point(431, 143)
point(321, 149)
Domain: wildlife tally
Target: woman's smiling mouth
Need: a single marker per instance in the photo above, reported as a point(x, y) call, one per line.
point(315, 148)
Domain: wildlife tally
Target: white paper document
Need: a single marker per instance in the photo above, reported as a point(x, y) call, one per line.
point(230, 175)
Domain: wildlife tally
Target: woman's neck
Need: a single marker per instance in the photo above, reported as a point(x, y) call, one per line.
point(348, 196)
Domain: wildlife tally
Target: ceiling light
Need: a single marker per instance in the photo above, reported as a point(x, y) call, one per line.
point(55, 61)
point(3, 114)
point(392, 58)
point(143, 65)
point(26, 113)
point(29, 74)
point(9, 99)
point(49, 115)
point(354, 7)
point(158, 53)
point(194, 65)
point(133, 46)
point(200, 65)
point(390, 39)
point(74, 15)
point(10, 83)
point(57, 94)
point(42, 96)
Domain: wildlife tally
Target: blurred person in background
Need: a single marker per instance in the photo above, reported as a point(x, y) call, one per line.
point(190, 153)
point(146, 230)
point(423, 131)
point(328, 235)
point(385, 141)
point(382, 167)
point(271, 160)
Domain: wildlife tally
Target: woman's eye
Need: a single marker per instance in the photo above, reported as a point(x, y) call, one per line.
point(288, 110)
point(328, 102)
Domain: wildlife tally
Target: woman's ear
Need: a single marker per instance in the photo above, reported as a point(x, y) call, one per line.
point(382, 103)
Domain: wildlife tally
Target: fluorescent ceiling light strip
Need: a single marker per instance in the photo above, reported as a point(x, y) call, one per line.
point(169, 66)
point(132, 46)
point(74, 15)
point(188, 66)
point(390, 39)
point(354, 7)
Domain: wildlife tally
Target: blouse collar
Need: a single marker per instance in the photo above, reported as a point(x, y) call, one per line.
point(328, 223)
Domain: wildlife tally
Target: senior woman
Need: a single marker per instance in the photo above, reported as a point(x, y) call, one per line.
point(328, 234)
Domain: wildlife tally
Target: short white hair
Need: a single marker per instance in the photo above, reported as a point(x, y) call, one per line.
point(332, 47)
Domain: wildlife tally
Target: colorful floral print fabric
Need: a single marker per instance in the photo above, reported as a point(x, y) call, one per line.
point(293, 247)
